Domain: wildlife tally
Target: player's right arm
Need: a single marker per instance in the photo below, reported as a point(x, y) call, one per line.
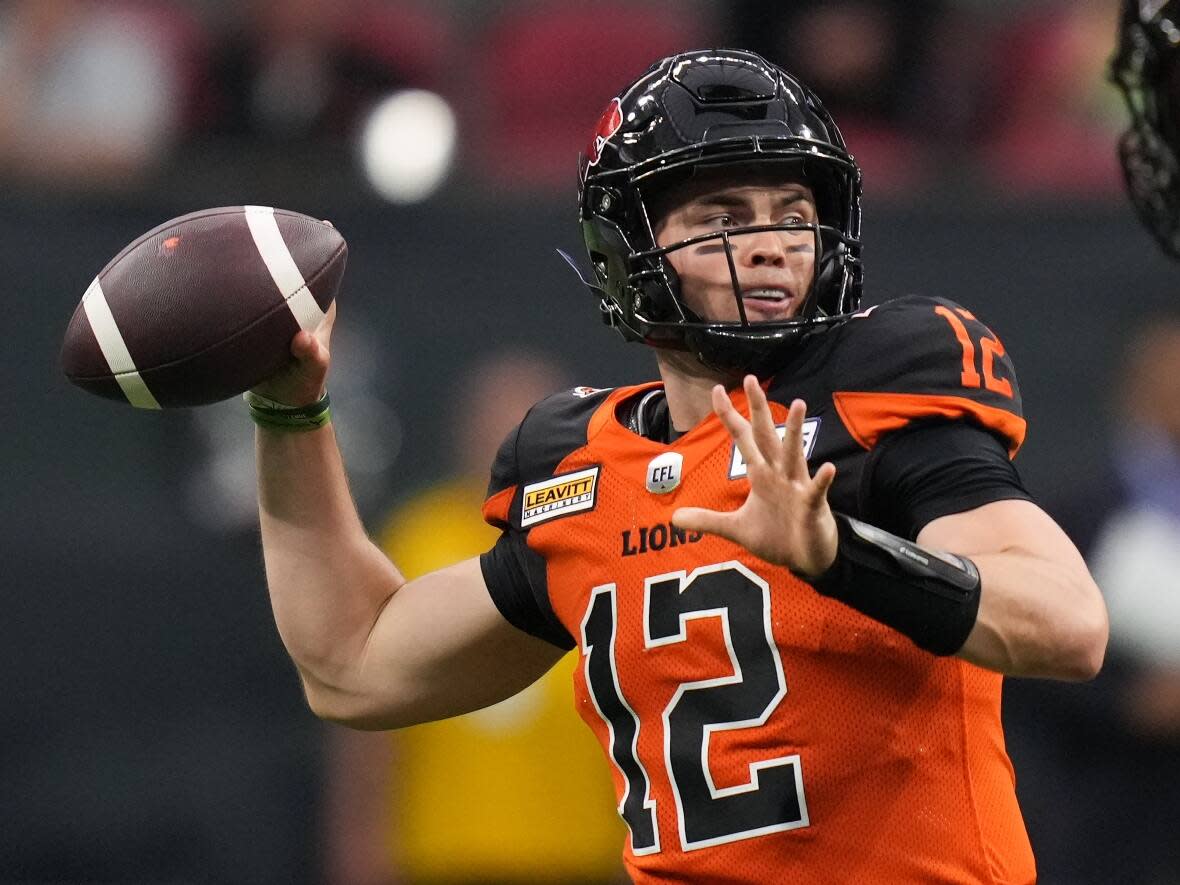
point(372, 650)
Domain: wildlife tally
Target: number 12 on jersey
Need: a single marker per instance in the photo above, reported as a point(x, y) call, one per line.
point(989, 347)
point(772, 798)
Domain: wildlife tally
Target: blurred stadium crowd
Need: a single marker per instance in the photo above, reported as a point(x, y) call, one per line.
point(157, 88)
point(152, 728)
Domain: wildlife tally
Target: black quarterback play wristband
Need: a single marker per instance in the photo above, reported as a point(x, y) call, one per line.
point(933, 598)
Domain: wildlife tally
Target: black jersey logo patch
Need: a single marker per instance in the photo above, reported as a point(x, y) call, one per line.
point(737, 464)
point(559, 496)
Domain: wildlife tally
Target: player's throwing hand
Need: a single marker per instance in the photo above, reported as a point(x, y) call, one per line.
point(785, 519)
point(303, 380)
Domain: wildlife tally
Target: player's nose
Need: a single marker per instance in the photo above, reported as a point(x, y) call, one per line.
point(765, 248)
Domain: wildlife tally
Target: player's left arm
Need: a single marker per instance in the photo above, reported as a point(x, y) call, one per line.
point(1023, 603)
point(1040, 612)
point(917, 360)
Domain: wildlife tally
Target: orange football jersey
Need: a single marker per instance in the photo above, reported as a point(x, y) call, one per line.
point(757, 731)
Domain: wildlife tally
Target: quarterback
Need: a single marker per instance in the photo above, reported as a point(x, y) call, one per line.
point(795, 569)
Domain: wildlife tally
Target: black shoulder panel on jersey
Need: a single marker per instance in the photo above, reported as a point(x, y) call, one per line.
point(924, 345)
point(552, 429)
point(932, 469)
point(515, 574)
point(916, 358)
point(515, 577)
point(504, 472)
point(809, 359)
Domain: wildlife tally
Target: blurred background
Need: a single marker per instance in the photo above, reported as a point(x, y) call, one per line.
point(151, 726)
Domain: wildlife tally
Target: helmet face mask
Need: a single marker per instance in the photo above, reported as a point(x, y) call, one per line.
point(1146, 67)
point(725, 112)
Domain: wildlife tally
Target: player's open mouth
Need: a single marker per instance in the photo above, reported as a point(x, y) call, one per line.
point(766, 303)
point(767, 296)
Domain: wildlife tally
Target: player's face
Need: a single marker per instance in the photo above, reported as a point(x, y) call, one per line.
point(774, 268)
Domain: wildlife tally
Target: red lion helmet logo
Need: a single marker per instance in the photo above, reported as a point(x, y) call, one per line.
point(608, 125)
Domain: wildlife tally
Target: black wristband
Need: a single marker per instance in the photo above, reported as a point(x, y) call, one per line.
point(931, 597)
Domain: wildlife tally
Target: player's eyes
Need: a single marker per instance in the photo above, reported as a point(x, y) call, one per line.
point(721, 220)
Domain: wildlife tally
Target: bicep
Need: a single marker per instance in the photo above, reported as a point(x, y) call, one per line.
point(1008, 526)
point(441, 648)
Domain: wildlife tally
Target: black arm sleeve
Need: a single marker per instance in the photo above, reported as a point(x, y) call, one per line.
point(515, 576)
point(934, 469)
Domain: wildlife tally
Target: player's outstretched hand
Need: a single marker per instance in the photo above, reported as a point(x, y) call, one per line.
point(303, 380)
point(785, 519)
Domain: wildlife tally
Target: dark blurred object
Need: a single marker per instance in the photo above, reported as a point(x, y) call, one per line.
point(868, 60)
point(152, 728)
point(546, 72)
point(863, 57)
point(1100, 763)
point(1048, 116)
point(94, 93)
point(294, 70)
point(1146, 66)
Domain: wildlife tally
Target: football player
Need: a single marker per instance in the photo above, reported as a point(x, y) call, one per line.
point(1146, 66)
point(796, 568)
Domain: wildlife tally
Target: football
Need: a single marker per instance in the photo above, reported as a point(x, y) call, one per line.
point(203, 307)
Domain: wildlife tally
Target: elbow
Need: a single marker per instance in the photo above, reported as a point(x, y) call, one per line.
point(1079, 665)
point(355, 711)
point(328, 706)
point(340, 711)
point(1096, 649)
point(1069, 647)
point(322, 702)
point(1085, 651)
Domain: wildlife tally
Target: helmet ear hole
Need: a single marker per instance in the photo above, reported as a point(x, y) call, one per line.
point(604, 201)
point(599, 262)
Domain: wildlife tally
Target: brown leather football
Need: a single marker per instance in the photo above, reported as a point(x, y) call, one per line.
point(203, 307)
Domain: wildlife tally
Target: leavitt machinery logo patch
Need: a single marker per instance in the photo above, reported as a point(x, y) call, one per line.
point(559, 496)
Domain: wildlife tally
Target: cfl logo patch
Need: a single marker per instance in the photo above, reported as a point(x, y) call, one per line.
point(737, 464)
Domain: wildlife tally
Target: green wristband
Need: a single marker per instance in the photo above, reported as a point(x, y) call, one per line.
point(280, 417)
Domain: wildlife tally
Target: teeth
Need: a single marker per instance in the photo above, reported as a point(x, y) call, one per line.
point(766, 294)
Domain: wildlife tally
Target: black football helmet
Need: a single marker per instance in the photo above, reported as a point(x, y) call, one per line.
point(1146, 66)
point(708, 109)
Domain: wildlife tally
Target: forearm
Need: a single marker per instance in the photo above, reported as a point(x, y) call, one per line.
point(328, 582)
point(1037, 617)
point(373, 650)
